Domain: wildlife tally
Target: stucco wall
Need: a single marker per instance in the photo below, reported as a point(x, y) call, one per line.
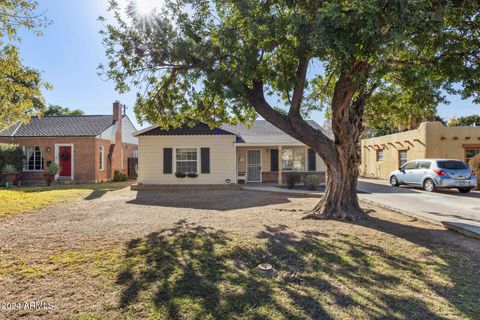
point(430, 140)
point(150, 159)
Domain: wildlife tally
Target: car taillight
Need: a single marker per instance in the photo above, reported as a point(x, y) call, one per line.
point(439, 172)
point(473, 173)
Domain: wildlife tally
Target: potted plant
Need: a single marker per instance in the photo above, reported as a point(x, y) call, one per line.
point(50, 173)
point(192, 175)
point(180, 174)
point(10, 173)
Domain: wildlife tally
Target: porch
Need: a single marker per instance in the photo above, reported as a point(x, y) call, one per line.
point(272, 163)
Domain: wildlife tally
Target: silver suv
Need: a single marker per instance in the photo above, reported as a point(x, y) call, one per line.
point(435, 173)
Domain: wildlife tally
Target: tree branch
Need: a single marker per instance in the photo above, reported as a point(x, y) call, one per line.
point(297, 97)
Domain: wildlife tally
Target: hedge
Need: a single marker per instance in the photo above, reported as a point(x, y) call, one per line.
point(11, 154)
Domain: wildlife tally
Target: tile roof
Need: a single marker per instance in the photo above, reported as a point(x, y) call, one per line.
point(261, 132)
point(58, 126)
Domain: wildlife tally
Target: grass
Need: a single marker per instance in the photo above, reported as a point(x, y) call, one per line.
point(26, 199)
point(192, 272)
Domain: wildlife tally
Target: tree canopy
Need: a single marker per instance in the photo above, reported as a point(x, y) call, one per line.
point(56, 110)
point(20, 86)
point(224, 61)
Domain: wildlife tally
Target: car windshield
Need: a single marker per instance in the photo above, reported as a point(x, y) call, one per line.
point(451, 164)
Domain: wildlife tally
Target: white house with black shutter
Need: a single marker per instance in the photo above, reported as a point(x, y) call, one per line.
point(201, 155)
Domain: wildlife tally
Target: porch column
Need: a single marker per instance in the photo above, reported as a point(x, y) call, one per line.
point(280, 179)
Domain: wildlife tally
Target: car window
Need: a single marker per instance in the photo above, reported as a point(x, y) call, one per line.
point(423, 164)
point(410, 165)
point(451, 164)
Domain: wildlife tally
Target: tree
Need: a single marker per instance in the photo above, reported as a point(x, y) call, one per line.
point(224, 61)
point(56, 110)
point(20, 86)
point(472, 120)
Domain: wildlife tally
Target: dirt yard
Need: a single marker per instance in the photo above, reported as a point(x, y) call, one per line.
point(190, 255)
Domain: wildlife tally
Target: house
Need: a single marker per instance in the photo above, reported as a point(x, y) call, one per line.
point(382, 155)
point(219, 156)
point(88, 148)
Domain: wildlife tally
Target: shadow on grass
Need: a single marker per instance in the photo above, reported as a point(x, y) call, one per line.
point(194, 272)
point(219, 200)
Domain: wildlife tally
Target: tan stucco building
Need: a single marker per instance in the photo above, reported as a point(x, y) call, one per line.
point(382, 155)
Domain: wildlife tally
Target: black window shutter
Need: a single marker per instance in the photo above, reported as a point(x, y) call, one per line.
point(273, 159)
point(167, 160)
point(312, 164)
point(205, 160)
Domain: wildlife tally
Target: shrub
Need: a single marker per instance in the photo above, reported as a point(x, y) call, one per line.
point(311, 181)
point(11, 154)
point(118, 176)
point(53, 168)
point(9, 169)
point(474, 164)
point(180, 174)
point(292, 178)
point(192, 175)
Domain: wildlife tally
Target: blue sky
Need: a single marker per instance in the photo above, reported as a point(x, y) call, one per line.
point(70, 50)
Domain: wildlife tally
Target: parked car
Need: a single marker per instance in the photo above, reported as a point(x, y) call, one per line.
point(434, 174)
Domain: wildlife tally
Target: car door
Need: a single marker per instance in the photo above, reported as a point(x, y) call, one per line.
point(408, 172)
point(420, 171)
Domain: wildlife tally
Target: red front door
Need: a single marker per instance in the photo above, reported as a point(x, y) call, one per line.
point(65, 160)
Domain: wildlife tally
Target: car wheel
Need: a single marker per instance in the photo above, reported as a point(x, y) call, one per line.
point(464, 190)
point(394, 181)
point(429, 185)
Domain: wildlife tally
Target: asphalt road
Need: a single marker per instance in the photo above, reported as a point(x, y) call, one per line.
point(445, 206)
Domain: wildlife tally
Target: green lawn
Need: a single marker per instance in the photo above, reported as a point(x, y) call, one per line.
point(25, 199)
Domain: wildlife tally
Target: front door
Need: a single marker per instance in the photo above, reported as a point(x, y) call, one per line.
point(65, 161)
point(254, 166)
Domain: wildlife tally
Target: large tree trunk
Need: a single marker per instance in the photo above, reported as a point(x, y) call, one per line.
point(342, 155)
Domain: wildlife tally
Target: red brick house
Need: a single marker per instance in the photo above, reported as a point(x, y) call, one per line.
point(88, 148)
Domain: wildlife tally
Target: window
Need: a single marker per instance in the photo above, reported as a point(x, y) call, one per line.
point(186, 160)
point(379, 155)
point(102, 157)
point(410, 165)
point(135, 153)
point(33, 160)
point(293, 159)
point(451, 164)
point(470, 153)
point(423, 164)
point(403, 157)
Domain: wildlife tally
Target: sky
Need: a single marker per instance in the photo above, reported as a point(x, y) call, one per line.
point(70, 50)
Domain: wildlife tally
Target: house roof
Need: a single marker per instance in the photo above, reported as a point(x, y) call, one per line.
point(261, 132)
point(60, 126)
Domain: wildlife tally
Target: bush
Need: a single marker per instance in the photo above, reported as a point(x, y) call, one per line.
point(474, 164)
point(9, 169)
point(180, 174)
point(311, 181)
point(53, 168)
point(11, 154)
point(292, 178)
point(192, 175)
point(118, 176)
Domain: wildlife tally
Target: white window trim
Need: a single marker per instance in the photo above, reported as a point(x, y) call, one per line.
point(72, 159)
point(102, 158)
point(175, 160)
point(25, 164)
point(305, 160)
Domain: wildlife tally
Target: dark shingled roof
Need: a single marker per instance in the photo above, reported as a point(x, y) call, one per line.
point(60, 126)
point(197, 130)
point(261, 132)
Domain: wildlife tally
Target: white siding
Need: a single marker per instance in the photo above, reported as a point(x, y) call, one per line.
point(127, 131)
point(150, 159)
